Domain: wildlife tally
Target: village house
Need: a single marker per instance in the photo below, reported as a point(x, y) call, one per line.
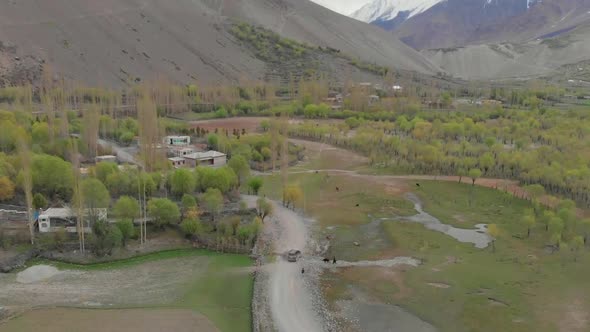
point(181, 151)
point(209, 158)
point(177, 140)
point(178, 162)
point(54, 219)
point(106, 158)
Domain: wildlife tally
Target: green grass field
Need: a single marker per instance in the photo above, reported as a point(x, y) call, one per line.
point(221, 293)
point(519, 287)
point(463, 205)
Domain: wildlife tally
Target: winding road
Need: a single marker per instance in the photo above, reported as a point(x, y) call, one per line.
point(289, 297)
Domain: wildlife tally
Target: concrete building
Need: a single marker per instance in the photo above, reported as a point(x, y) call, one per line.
point(178, 162)
point(209, 158)
point(177, 140)
point(106, 158)
point(181, 151)
point(53, 219)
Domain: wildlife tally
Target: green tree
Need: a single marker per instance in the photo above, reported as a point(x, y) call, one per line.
point(254, 184)
point(191, 227)
point(164, 212)
point(556, 228)
point(95, 196)
point(240, 167)
point(106, 237)
point(486, 162)
point(39, 201)
point(103, 169)
point(6, 189)
point(263, 208)
point(213, 202)
point(127, 230)
point(126, 208)
point(188, 202)
point(586, 229)
point(529, 221)
point(52, 176)
point(577, 246)
point(474, 174)
point(494, 232)
point(292, 195)
point(213, 141)
point(222, 178)
point(182, 182)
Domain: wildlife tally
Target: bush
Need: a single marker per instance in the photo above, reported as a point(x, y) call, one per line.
point(254, 184)
point(164, 211)
point(127, 230)
point(105, 238)
point(39, 201)
point(59, 238)
point(191, 227)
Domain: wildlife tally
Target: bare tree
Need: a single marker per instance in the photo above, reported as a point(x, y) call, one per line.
point(91, 121)
point(77, 198)
point(149, 131)
point(26, 164)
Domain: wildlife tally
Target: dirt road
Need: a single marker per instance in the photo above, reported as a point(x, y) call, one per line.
point(289, 297)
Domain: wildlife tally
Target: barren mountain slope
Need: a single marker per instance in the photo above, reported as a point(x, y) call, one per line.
point(501, 61)
point(115, 41)
point(455, 23)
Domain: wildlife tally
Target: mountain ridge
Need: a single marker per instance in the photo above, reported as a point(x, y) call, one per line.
point(114, 42)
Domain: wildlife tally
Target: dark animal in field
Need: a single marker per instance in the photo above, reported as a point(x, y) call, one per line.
point(357, 205)
point(302, 270)
point(326, 260)
point(337, 189)
point(334, 260)
point(418, 185)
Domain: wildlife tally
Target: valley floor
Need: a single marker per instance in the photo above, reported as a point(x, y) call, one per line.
point(514, 285)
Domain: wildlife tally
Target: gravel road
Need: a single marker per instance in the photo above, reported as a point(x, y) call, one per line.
point(290, 299)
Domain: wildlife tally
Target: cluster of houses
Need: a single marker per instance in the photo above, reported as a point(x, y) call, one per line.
point(181, 154)
point(184, 154)
point(335, 99)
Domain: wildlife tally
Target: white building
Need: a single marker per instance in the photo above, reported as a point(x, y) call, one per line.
point(54, 219)
point(209, 158)
point(106, 158)
point(177, 140)
point(180, 151)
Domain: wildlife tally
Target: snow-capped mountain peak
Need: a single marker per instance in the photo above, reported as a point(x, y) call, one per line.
point(385, 10)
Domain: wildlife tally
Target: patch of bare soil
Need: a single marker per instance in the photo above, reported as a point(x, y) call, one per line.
point(36, 273)
point(251, 124)
point(576, 318)
point(128, 320)
point(152, 283)
point(439, 285)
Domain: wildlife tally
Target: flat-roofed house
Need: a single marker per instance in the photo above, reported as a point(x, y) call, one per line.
point(54, 219)
point(178, 162)
point(209, 158)
point(177, 140)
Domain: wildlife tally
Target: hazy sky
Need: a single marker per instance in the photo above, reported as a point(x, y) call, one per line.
point(342, 6)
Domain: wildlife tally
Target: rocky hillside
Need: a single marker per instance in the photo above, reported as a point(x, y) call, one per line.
point(427, 24)
point(543, 56)
point(112, 42)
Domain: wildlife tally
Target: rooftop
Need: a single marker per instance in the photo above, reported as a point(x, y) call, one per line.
point(204, 155)
point(176, 159)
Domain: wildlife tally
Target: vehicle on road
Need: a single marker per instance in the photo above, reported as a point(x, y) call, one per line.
point(293, 255)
